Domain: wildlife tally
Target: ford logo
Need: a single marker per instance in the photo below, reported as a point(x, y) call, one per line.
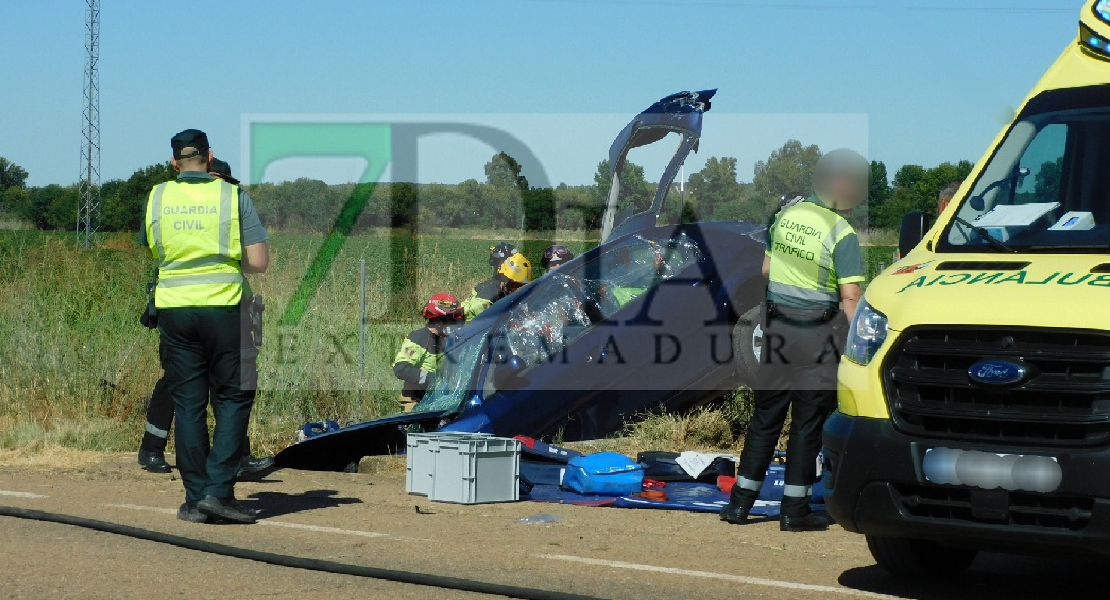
point(997, 372)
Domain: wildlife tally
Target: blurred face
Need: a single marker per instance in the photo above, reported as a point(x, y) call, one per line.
point(848, 191)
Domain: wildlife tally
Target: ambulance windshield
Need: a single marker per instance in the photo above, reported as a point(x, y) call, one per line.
point(1046, 188)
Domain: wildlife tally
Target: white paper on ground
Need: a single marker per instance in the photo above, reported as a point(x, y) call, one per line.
point(694, 463)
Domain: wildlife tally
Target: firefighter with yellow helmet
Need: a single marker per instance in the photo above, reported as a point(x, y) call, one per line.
point(512, 274)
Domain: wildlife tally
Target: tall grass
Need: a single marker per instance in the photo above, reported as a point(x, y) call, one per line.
point(76, 368)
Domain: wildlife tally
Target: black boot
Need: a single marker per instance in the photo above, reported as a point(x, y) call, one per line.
point(249, 465)
point(739, 505)
point(810, 522)
point(734, 514)
point(228, 509)
point(153, 461)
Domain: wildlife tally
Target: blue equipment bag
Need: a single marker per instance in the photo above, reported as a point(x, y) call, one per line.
point(605, 473)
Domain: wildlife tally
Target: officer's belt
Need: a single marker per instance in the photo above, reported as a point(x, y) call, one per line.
point(800, 316)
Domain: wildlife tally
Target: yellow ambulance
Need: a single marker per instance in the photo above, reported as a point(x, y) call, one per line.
point(974, 394)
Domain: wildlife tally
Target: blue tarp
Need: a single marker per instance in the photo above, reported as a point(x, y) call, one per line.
point(696, 497)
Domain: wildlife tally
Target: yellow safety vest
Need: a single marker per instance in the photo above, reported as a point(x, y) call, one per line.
point(803, 238)
point(481, 297)
point(193, 231)
point(417, 356)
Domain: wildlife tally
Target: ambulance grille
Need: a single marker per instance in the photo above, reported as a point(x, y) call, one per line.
point(1018, 508)
point(1063, 402)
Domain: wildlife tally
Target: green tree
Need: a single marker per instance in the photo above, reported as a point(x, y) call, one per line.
point(124, 202)
point(1046, 185)
point(504, 171)
point(572, 203)
point(635, 192)
point(14, 201)
point(61, 213)
point(11, 175)
point(715, 186)
point(915, 188)
point(788, 169)
point(877, 195)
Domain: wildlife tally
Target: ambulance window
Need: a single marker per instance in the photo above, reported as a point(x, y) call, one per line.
point(1044, 157)
point(1044, 189)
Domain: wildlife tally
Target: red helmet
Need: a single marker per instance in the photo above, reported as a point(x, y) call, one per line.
point(443, 307)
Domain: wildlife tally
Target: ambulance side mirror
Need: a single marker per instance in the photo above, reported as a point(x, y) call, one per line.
point(914, 226)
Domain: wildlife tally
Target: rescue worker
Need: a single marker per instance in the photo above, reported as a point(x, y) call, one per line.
point(159, 414)
point(813, 266)
point(946, 194)
point(204, 234)
point(555, 255)
point(499, 252)
point(422, 350)
point(511, 275)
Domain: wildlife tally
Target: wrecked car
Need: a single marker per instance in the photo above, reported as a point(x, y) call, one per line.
point(657, 317)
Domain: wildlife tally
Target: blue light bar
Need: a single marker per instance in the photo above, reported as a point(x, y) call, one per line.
point(1102, 9)
point(1094, 42)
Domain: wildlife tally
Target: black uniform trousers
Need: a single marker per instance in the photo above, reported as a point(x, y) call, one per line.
point(201, 354)
point(159, 419)
point(800, 356)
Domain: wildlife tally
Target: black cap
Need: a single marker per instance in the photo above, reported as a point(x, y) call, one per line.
point(221, 169)
point(190, 138)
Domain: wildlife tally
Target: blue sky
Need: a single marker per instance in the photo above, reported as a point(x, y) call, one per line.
point(929, 81)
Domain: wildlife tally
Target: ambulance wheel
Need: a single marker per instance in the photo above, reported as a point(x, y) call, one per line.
point(918, 558)
point(747, 341)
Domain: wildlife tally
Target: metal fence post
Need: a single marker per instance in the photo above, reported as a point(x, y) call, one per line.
point(361, 330)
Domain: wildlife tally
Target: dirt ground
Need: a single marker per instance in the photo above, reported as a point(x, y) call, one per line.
point(368, 519)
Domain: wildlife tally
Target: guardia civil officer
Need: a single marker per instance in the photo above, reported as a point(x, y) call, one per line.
point(204, 234)
point(159, 415)
point(814, 270)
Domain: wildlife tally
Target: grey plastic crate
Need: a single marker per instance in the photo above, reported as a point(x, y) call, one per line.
point(420, 451)
point(476, 470)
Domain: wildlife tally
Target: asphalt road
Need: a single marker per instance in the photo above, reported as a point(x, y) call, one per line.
point(367, 519)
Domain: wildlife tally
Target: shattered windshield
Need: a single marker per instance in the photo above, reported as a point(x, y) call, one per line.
point(568, 303)
point(1045, 189)
point(451, 383)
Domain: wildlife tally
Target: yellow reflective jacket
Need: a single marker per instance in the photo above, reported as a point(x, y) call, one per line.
point(806, 243)
point(420, 351)
point(193, 230)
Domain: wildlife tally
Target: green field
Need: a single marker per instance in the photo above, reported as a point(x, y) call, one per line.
point(76, 368)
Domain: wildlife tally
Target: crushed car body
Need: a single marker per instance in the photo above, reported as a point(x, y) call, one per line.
point(657, 317)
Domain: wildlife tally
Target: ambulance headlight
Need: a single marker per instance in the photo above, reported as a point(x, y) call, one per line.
point(866, 334)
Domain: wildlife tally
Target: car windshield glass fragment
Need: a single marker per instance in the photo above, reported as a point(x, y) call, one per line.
point(451, 383)
point(566, 304)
